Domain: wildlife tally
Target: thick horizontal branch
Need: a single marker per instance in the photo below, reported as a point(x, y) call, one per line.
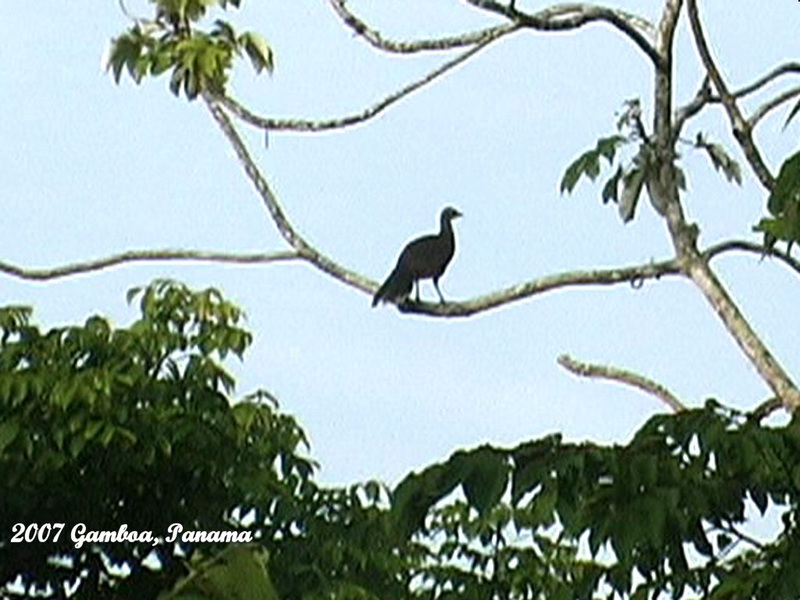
point(622, 376)
point(634, 275)
point(138, 256)
point(308, 125)
point(374, 37)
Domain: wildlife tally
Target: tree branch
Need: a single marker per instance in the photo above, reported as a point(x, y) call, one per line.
point(565, 17)
point(308, 125)
point(285, 228)
point(705, 96)
point(784, 69)
point(133, 256)
point(772, 104)
point(622, 376)
point(634, 275)
point(717, 249)
point(742, 130)
point(746, 338)
point(378, 41)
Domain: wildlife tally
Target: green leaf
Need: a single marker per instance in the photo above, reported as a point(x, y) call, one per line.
point(486, 478)
point(787, 186)
point(632, 183)
point(588, 163)
point(259, 51)
point(9, 429)
point(611, 187)
point(236, 573)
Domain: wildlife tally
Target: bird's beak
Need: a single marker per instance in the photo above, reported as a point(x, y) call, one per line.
point(457, 214)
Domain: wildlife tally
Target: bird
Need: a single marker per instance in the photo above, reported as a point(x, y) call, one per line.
point(426, 257)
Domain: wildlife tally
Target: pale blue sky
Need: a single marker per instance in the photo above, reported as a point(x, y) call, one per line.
point(91, 168)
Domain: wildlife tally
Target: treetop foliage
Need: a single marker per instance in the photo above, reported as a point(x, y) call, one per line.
point(103, 426)
point(200, 60)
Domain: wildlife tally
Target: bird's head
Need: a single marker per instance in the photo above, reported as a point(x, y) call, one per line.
point(450, 213)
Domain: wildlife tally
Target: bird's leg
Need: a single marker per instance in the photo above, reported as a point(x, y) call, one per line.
point(438, 291)
point(416, 289)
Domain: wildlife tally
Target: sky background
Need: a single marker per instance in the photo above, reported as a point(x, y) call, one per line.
point(90, 168)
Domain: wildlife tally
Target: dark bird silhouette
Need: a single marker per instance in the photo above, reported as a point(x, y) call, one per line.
point(424, 258)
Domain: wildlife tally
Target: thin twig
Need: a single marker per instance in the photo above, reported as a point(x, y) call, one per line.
point(765, 409)
point(683, 114)
point(704, 96)
point(742, 130)
point(759, 249)
point(308, 125)
point(772, 104)
point(622, 376)
point(131, 256)
point(784, 69)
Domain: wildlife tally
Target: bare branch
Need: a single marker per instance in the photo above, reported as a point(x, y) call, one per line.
point(744, 246)
point(133, 256)
point(704, 96)
point(683, 114)
point(772, 104)
point(770, 370)
point(622, 376)
point(742, 130)
point(565, 17)
point(307, 125)
point(765, 409)
point(378, 41)
point(286, 229)
point(783, 69)
point(634, 275)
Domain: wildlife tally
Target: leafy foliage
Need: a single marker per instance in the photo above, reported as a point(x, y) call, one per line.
point(200, 61)
point(108, 426)
point(135, 426)
point(681, 485)
point(624, 187)
point(784, 206)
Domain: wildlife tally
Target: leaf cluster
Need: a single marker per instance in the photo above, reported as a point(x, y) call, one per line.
point(199, 60)
point(659, 515)
point(136, 425)
point(107, 426)
point(783, 205)
point(644, 169)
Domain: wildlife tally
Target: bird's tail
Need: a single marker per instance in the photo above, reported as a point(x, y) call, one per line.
point(397, 286)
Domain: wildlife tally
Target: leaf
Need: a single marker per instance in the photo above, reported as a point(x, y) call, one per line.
point(720, 158)
point(125, 52)
point(236, 573)
point(787, 186)
point(588, 163)
point(486, 479)
point(8, 432)
point(611, 187)
point(632, 183)
point(258, 50)
point(722, 161)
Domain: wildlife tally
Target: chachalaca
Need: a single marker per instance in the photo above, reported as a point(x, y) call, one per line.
point(424, 258)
